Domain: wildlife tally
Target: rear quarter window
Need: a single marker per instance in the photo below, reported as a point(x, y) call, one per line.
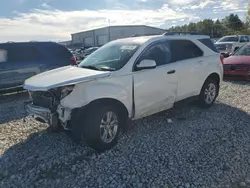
point(57, 50)
point(209, 43)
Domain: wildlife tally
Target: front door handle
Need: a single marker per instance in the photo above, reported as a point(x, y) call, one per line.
point(171, 72)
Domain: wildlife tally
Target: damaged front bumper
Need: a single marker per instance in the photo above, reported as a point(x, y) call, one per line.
point(42, 114)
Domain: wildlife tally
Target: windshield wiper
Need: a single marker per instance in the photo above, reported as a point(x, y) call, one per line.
point(107, 69)
point(90, 67)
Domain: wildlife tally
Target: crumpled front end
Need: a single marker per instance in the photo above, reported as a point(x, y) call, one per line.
point(45, 106)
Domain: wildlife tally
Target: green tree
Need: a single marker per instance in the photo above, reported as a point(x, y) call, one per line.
point(233, 22)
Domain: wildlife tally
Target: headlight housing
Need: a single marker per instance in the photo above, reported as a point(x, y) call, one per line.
point(65, 91)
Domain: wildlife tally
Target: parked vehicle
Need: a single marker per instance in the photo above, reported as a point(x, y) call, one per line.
point(230, 44)
point(88, 51)
point(24, 60)
point(124, 80)
point(238, 64)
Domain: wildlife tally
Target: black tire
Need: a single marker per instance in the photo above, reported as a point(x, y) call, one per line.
point(88, 123)
point(202, 97)
point(57, 129)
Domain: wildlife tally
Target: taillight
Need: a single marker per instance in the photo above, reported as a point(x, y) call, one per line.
point(221, 59)
point(74, 60)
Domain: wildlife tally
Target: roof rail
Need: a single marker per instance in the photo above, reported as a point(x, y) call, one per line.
point(181, 33)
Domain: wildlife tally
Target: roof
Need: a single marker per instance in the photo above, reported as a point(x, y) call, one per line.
point(143, 39)
point(113, 26)
point(27, 43)
point(233, 36)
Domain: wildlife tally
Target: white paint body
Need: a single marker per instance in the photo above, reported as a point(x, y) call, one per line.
point(151, 90)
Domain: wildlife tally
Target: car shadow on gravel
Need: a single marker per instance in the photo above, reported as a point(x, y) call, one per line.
point(238, 81)
point(12, 106)
point(208, 146)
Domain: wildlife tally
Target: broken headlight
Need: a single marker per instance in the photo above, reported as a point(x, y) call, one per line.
point(65, 91)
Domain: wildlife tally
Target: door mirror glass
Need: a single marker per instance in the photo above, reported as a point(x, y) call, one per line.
point(146, 64)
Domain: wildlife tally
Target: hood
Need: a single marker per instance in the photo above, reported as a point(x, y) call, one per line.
point(61, 77)
point(237, 60)
point(225, 43)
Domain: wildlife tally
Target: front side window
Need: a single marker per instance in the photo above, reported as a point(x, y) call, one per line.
point(160, 53)
point(110, 57)
point(184, 49)
point(229, 39)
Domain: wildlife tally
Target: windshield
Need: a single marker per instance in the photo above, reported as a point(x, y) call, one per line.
point(243, 51)
point(112, 56)
point(229, 39)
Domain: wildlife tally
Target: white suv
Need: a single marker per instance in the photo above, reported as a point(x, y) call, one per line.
point(125, 80)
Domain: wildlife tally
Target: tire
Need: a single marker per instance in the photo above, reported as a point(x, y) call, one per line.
point(206, 99)
point(88, 124)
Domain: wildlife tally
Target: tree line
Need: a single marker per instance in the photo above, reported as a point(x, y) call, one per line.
point(229, 25)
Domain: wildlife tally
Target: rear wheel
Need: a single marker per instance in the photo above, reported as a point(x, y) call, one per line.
point(209, 93)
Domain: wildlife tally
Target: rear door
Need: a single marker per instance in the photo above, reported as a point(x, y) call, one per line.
point(25, 62)
point(189, 58)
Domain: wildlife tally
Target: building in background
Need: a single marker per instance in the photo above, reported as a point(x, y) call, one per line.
point(101, 36)
point(66, 43)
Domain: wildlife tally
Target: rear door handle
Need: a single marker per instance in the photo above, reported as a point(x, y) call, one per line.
point(171, 72)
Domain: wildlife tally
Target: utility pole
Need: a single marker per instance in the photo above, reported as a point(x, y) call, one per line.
point(109, 29)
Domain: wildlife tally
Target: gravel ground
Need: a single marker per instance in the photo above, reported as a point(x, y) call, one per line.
point(200, 148)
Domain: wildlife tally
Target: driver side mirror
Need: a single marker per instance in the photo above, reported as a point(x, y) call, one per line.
point(146, 64)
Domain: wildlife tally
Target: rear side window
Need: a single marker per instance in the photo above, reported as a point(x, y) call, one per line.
point(58, 51)
point(22, 54)
point(209, 44)
point(184, 49)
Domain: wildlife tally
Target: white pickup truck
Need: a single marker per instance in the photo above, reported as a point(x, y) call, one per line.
point(231, 43)
point(124, 80)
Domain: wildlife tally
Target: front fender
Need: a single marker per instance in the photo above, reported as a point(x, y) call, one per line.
point(86, 92)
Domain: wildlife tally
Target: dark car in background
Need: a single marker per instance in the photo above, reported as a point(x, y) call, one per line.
point(20, 61)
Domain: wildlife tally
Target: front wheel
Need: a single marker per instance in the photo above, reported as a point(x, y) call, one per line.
point(101, 128)
point(209, 93)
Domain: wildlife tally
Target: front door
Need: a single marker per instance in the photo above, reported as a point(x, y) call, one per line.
point(155, 89)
